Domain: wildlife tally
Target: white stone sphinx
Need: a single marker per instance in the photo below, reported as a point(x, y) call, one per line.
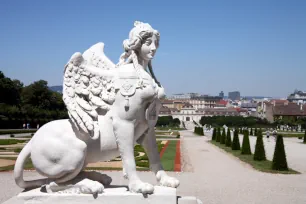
point(111, 108)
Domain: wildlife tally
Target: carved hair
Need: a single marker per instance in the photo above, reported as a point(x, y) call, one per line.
point(137, 37)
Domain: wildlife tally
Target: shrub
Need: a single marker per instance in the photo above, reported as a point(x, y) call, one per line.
point(246, 149)
point(178, 136)
point(259, 154)
point(223, 137)
point(236, 144)
point(214, 135)
point(7, 132)
point(17, 150)
point(305, 137)
point(136, 154)
point(32, 134)
point(10, 141)
point(12, 135)
point(228, 141)
point(142, 164)
point(255, 132)
point(279, 159)
point(218, 135)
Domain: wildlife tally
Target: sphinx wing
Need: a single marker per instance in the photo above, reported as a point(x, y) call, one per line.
point(84, 91)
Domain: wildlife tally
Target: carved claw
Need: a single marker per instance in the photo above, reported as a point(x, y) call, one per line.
point(165, 180)
point(141, 187)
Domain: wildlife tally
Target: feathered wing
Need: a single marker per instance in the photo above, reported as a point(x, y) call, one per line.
point(84, 91)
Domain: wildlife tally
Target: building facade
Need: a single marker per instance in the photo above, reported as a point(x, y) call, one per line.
point(234, 95)
point(297, 97)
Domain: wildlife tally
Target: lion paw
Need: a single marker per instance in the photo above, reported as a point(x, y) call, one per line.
point(168, 181)
point(141, 187)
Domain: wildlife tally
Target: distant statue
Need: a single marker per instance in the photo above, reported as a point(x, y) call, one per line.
point(111, 108)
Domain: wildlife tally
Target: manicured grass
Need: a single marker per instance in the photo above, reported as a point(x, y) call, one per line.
point(10, 141)
point(168, 157)
point(292, 135)
point(264, 166)
point(167, 133)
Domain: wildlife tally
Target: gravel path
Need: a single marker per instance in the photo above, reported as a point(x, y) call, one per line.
point(216, 178)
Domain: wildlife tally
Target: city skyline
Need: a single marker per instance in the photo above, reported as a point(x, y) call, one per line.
point(258, 48)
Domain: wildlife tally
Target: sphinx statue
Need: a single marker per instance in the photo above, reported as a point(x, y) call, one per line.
point(111, 108)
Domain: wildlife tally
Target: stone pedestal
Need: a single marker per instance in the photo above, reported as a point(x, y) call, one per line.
point(162, 195)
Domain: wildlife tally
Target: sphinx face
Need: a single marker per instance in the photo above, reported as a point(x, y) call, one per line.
point(148, 48)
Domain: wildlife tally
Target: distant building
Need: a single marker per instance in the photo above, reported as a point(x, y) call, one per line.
point(297, 97)
point(290, 110)
point(234, 95)
point(221, 94)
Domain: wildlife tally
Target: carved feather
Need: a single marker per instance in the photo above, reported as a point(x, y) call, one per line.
point(83, 84)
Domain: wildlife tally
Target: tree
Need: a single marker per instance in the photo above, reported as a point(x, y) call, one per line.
point(259, 154)
point(236, 144)
point(37, 94)
point(279, 159)
point(214, 135)
point(246, 149)
point(228, 142)
point(223, 137)
point(218, 135)
point(9, 90)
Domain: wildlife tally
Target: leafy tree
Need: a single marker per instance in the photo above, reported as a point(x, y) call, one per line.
point(228, 142)
point(279, 159)
point(168, 121)
point(233, 121)
point(37, 94)
point(259, 154)
point(9, 90)
point(246, 149)
point(236, 144)
point(223, 137)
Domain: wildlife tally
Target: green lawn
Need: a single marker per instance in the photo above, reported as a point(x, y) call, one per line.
point(168, 157)
point(264, 166)
point(10, 141)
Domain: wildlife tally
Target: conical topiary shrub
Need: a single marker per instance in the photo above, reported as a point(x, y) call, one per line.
point(223, 137)
point(236, 144)
point(259, 154)
point(246, 149)
point(279, 159)
point(305, 137)
point(218, 135)
point(228, 141)
point(214, 135)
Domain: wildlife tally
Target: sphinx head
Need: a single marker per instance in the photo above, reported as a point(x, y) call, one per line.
point(143, 40)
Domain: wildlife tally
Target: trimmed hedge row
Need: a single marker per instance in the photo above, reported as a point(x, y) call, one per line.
point(8, 132)
point(199, 131)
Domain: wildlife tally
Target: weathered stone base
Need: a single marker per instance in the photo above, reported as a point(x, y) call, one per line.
point(162, 195)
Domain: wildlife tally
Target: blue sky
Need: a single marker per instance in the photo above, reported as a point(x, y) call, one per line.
point(256, 47)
